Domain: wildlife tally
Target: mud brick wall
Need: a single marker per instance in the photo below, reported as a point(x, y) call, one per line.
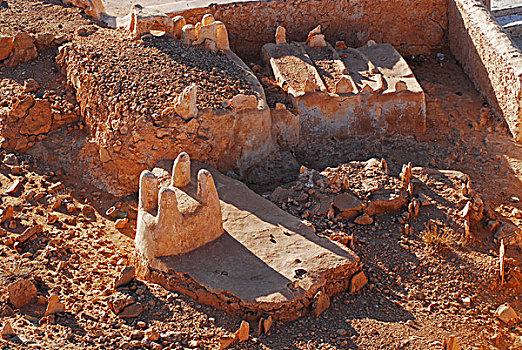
point(412, 27)
point(489, 57)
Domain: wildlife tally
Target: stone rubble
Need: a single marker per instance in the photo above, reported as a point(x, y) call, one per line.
point(21, 292)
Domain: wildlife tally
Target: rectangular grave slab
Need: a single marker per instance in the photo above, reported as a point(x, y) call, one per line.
point(392, 67)
point(380, 93)
point(266, 263)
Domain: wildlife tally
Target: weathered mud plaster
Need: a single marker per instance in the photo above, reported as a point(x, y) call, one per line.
point(489, 57)
point(348, 92)
point(180, 217)
point(266, 263)
point(233, 138)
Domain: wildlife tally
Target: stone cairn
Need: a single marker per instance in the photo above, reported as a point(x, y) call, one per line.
point(180, 217)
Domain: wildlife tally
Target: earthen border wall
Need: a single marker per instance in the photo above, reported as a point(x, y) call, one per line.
point(489, 57)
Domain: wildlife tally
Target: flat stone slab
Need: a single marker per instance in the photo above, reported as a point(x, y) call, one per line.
point(267, 262)
point(392, 67)
point(362, 71)
point(121, 8)
point(292, 67)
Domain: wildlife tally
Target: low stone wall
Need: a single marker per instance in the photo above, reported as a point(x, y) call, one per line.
point(489, 57)
point(31, 119)
point(412, 27)
point(23, 47)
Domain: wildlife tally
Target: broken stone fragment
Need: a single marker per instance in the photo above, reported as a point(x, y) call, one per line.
point(54, 305)
point(507, 314)
point(6, 47)
point(121, 223)
point(14, 187)
point(242, 333)
point(104, 155)
point(349, 205)
point(24, 50)
point(29, 232)
point(125, 276)
point(21, 292)
point(340, 45)
point(358, 281)
point(345, 85)
point(88, 211)
point(364, 219)
point(7, 214)
point(21, 106)
point(242, 102)
point(119, 301)
point(317, 41)
point(281, 194)
point(315, 38)
point(7, 330)
point(315, 31)
point(225, 342)
point(38, 120)
point(267, 324)
point(131, 311)
point(185, 105)
point(280, 35)
point(321, 303)
point(188, 34)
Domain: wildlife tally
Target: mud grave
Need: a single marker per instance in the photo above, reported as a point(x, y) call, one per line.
point(309, 191)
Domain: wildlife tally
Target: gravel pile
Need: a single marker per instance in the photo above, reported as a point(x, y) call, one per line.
point(34, 16)
point(149, 74)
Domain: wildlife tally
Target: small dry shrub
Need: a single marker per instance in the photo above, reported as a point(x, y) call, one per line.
point(436, 237)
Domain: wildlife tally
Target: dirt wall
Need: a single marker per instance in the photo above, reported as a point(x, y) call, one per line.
point(489, 57)
point(419, 29)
